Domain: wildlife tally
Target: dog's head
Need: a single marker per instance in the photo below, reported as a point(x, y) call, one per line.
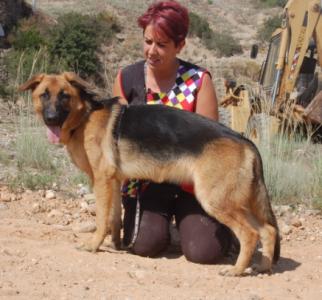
point(60, 100)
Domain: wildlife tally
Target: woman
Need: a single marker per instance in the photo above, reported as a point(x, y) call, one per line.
point(162, 78)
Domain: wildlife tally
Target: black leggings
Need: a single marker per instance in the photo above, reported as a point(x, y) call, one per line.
point(202, 238)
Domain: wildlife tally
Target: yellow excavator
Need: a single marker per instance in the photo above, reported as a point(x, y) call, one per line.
point(290, 84)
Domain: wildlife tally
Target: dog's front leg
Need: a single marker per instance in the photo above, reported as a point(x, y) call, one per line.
point(115, 214)
point(105, 191)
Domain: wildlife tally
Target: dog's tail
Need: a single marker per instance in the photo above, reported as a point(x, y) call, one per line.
point(272, 221)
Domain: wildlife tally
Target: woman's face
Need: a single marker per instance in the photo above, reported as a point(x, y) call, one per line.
point(159, 50)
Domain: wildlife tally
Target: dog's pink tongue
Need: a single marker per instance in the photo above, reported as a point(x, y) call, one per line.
point(53, 134)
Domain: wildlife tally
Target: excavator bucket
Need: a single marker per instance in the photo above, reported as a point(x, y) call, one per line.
point(313, 112)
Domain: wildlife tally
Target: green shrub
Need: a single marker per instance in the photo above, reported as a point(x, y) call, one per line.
point(4, 91)
point(72, 44)
point(268, 27)
point(27, 180)
point(199, 27)
point(223, 43)
point(28, 39)
point(273, 3)
point(76, 39)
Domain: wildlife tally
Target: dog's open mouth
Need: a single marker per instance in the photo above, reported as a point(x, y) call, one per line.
point(53, 134)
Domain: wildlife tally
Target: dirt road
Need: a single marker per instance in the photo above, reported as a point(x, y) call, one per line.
point(38, 259)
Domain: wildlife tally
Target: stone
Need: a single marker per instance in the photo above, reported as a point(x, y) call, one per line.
point(50, 194)
point(84, 227)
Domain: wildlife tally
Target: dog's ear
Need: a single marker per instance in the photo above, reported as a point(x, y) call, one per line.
point(86, 89)
point(87, 92)
point(32, 83)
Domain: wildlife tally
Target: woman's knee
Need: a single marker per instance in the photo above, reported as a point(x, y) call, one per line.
point(199, 241)
point(153, 235)
point(202, 252)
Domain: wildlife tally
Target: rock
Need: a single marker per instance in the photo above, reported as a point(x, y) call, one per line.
point(296, 222)
point(36, 208)
point(82, 190)
point(84, 227)
point(89, 198)
point(50, 194)
point(84, 206)
point(92, 209)
point(282, 210)
point(5, 196)
point(61, 227)
point(3, 206)
point(313, 212)
point(54, 213)
point(137, 274)
point(286, 229)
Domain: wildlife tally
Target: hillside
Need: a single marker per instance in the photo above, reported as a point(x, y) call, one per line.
point(241, 19)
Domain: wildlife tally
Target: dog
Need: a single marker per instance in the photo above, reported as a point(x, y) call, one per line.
point(111, 141)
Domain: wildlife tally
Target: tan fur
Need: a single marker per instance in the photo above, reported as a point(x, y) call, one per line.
point(225, 175)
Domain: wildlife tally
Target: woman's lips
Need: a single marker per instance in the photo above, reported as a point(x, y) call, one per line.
point(153, 61)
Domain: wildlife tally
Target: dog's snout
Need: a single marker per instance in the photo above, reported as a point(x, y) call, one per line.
point(51, 117)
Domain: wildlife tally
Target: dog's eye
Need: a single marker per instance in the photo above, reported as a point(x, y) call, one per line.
point(44, 96)
point(66, 96)
point(63, 97)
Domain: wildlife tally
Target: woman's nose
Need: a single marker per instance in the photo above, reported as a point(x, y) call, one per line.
point(152, 49)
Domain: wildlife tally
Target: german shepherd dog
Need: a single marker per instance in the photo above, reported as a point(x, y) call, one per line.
point(111, 141)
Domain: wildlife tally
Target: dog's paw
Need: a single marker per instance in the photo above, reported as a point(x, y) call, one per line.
point(231, 271)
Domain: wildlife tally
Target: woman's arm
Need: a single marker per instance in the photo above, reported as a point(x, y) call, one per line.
point(117, 90)
point(207, 104)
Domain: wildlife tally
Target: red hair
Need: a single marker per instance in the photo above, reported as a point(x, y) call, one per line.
point(168, 17)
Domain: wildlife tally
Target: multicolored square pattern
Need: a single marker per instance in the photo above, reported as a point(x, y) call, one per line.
point(184, 91)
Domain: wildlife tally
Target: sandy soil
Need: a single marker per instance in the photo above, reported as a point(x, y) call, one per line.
point(39, 232)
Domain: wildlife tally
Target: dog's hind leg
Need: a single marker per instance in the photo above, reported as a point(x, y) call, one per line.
point(247, 235)
point(268, 236)
point(217, 203)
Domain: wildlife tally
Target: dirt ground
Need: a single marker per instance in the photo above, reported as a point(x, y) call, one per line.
point(39, 232)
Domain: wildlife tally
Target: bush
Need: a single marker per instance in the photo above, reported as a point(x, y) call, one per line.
point(273, 3)
point(72, 44)
point(199, 27)
point(269, 26)
point(76, 39)
point(29, 39)
point(27, 180)
point(223, 43)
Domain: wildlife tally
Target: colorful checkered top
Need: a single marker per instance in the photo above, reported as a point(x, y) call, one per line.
point(182, 95)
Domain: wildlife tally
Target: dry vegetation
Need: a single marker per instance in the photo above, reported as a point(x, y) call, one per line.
point(33, 164)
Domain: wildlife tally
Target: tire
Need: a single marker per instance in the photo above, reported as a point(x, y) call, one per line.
point(224, 116)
